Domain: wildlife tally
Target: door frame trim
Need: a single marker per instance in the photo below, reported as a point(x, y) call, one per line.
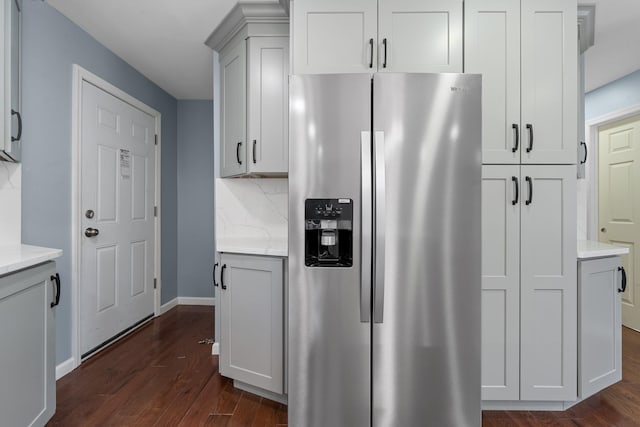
point(592, 130)
point(81, 75)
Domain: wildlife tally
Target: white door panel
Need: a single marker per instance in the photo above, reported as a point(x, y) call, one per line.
point(492, 48)
point(500, 282)
point(118, 185)
point(420, 36)
point(333, 36)
point(268, 118)
point(549, 75)
point(548, 283)
point(233, 85)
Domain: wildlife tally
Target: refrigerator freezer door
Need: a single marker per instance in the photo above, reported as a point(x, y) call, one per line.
point(330, 350)
point(426, 352)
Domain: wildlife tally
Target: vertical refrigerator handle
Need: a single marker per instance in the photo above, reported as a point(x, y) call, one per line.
point(366, 207)
point(379, 227)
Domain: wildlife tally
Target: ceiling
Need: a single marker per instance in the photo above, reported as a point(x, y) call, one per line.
point(164, 39)
point(617, 37)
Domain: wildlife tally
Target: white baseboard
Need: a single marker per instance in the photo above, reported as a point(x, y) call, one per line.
point(168, 306)
point(65, 367)
point(196, 301)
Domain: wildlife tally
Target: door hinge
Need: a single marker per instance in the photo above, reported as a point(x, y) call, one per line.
point(156, 141)
point(155, 283)
point(155, 211)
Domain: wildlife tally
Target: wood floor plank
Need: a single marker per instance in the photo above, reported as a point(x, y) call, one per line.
point(160, 376)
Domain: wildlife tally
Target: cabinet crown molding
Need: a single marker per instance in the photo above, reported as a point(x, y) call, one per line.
point(244, 13)
point(586, 25)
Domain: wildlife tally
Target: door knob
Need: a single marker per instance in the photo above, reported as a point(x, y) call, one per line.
point(91, 232)
point(604, 230)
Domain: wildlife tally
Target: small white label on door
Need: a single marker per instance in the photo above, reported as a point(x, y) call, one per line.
point(125, 163)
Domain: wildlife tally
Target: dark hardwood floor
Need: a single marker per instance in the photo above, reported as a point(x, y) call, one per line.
point(161, 376)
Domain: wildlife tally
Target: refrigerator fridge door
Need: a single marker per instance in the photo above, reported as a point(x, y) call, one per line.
point(329, 328)
point(426, 335)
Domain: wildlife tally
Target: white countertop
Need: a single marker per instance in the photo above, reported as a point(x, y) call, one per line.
point(592, 249)
point(17, 257)
point(254, 246)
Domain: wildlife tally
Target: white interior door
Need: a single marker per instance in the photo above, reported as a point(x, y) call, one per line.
point(619, 203)
point(117, 204)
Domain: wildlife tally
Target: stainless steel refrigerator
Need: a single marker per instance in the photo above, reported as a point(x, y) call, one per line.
point(384, 250)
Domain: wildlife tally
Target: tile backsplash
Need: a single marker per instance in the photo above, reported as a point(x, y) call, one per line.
point(252, 210)
point(10, 203)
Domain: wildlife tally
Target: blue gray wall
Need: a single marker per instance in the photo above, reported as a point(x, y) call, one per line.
point(195, 199)
point(51, 44)
point(613, 96)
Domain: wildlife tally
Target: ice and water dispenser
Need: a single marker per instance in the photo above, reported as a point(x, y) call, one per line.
point(328, 232)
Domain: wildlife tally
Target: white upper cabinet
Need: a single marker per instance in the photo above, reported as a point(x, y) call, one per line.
point(418, 36)
point(268, 105)
point(253, 43)
point(359, 36)
point(526, 53)
point(233, 102)
point(334, 36)
point(549, 75)
point(10, 109)
point(492, 48)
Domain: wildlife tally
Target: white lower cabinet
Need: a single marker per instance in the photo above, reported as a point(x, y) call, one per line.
point(600, 282)
point(252, 320)
point(529, 296)
point(27, 346)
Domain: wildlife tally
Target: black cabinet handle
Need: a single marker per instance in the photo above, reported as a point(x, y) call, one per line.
point(215, 266)
point(254, 150)
point(238, 152)
point(583, 161)
point(56, 281)
point(384, 43)
point(371, 52)
point(517, 144)
point(19, 136)
point(530, 128)
point(624, 280)
point(517, 195)
point(222, 285)
point(530, 182)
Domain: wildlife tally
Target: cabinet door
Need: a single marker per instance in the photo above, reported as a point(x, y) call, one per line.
point(420, 36)
point(10, 123)
point(600, 328)
point(27, 359)
point(334, 36)
point(251, 330)
point(492, 48)
point(548, 283)
point(233, 81)
point(500, 282)
point(268, 83)
point(549, 75)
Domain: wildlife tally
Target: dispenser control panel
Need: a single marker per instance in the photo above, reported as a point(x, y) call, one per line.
point(328, 232)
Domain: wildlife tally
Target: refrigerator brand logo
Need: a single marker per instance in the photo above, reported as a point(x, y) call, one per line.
point(458, 89)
